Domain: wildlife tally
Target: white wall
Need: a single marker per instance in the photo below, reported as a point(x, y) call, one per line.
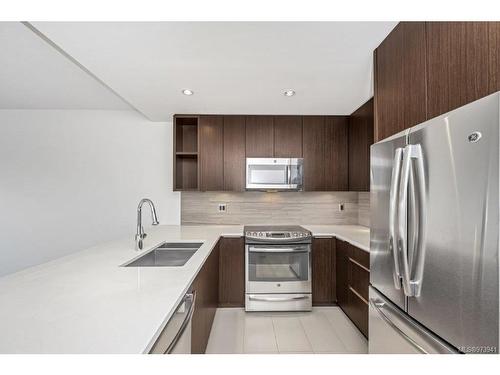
point(70, 179)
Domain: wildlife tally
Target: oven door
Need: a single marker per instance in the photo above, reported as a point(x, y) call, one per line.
point(278, 268)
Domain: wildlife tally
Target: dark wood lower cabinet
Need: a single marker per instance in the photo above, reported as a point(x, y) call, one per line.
point(232, 272)
point(220, 282)
point(323, 271)
point(342, 255)
point(206, 286)
point(340, 273)
point(353, 279)
point(358, 311)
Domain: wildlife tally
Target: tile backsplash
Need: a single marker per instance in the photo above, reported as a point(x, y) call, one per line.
point(273, 208)
point(364, 209)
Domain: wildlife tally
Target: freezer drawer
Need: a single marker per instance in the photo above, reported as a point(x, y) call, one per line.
point(391, 331)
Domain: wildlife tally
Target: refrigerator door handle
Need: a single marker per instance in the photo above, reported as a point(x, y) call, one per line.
point(378, 307)
point(393, 208)
point(402, 242)
point(418, 271)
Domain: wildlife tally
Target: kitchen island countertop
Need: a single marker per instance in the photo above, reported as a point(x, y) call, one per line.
point(86, 302)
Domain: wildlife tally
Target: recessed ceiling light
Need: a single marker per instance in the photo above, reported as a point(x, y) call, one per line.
point(188, 92)
point(289, 93)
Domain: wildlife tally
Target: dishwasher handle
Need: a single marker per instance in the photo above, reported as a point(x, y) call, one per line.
point(189, 297)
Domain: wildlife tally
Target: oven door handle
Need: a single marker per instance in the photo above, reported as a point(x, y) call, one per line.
point(277, 299)
point(278, 250)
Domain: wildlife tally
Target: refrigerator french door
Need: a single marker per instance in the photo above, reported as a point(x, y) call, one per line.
point(435, 215)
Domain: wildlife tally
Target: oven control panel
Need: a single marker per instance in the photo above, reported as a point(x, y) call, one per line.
point(277, 234)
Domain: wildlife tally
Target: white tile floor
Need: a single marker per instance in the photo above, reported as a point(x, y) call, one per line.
point(323, 330)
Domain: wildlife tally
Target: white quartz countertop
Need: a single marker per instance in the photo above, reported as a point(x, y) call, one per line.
point(356, 235)
point(86, 303)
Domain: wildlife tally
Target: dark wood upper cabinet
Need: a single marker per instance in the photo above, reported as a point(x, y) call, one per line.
point(325, 151)
point(457, 62)
point(259, 137)
point(211, 139)
point(288, 136)
point(336, 153)
point(314, 152)
point(494, 56)
point(389, 88)
point(401, 87)
point(323, 271)
point(232, 272)
point(223, 143)
point(425, 69)
point(234, 153)
point(360, 139)
point(413, 60)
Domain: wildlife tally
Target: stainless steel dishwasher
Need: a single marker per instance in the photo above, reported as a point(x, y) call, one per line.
point(176, 336)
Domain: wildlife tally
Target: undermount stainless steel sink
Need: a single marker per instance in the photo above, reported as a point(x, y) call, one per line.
point(168, 254)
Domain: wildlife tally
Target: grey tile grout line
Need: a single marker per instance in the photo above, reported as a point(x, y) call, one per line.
point(82, 67)
point(339, 336)
point(275, 338)
point(243, 350)
point(320, 310)
point(351, 326)
point(305, 334)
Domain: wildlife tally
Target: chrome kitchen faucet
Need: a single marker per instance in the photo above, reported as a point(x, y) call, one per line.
point(140, 235)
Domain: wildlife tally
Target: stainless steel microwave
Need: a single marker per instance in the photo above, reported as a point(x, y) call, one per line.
point(274, 174)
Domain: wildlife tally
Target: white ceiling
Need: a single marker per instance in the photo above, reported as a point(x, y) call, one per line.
point(236, 67)
point(34, 75)
point(233, 67)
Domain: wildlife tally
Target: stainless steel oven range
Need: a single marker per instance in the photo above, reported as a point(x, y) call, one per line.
point(277, 268)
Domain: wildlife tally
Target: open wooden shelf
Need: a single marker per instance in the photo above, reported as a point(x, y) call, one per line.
point(186, 134)
point(186, 153)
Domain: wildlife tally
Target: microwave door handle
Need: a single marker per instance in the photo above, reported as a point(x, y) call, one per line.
point(393, 207)
point(288, 175)
point(416, 280)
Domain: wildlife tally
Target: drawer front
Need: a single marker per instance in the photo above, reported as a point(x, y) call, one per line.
point(358, 311)
point(359, 278)
point(278, 302)
point(360, 256)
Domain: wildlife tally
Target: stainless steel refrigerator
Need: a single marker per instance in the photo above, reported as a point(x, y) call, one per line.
point(434, 235)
